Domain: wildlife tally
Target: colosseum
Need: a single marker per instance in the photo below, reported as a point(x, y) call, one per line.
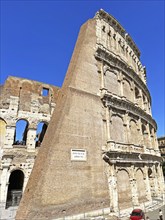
point(26, 107)
point(100, 153)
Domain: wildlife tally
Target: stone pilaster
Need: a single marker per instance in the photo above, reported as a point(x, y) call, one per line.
point(4, 181)
point(133, 185)
point(10, 130)
point(147, 183)
point(112, 182)
point(31, 135)
point(108, 123)
point(155, 181)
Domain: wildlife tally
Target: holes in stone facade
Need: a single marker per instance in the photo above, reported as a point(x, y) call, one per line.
point(103, 28)
point(15, 187)
point(21, 130)
point(41, 130)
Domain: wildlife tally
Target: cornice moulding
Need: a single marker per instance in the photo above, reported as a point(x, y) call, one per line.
point(126, 106)
point(114, 61)
point(101, 14)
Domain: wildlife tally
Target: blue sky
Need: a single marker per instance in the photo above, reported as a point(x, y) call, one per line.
point(38, 38)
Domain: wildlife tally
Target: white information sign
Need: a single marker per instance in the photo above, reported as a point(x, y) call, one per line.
point(78, 155)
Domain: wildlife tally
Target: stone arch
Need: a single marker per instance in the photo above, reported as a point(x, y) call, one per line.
point(127, 92)
point(145, 134)
point(20, 136)
point(40, 133)
point(152, 136)
point(117, 129)
point(111, 82)
point(137, 96)
point(141, 188)
point(134, 133)
point(151, 181)
point(15, 188)
point(123, 186)
point(145, 103)
point(2, 131)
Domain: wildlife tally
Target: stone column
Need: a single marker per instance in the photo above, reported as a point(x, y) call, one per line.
point(112, 182)
point(156, 142)
point(152, 139)
point(102, 76)
point(126, 128)
point(149, 144)
point(147, 183)
point(139, 128)
point(31, 135)
point(132, 90)
point(9, 139)
point(155, 181)
point(133, 185)
point(120, 80)
point(141, 99)
point(4, 181)
point(108, 123)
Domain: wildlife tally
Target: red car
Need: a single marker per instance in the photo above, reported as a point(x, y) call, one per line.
point(137, 214)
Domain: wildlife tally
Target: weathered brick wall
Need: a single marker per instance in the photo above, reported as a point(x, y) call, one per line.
point(21, 99)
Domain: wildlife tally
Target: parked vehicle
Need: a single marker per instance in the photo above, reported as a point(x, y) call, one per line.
point(137, 214)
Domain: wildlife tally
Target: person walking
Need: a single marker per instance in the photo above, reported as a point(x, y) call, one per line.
point(160, 214)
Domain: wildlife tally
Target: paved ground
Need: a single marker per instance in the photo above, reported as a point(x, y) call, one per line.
point(154, 215)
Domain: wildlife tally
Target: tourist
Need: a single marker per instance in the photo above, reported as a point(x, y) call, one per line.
point(160, 214)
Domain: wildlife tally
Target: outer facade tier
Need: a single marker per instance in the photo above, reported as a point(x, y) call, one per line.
point(101, 141)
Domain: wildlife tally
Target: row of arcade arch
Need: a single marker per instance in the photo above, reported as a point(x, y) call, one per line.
point(16, 183)
point(15, 188)
point(134, 185)
point(21, 131)
point(20, 136)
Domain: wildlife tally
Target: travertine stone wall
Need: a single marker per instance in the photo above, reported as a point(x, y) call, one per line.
point(21, 99)
point(161, 143)
point(101, 142)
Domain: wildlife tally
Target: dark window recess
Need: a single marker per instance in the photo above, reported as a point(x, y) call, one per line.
point(45, 92)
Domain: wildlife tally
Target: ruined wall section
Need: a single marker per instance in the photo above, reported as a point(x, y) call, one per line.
point(28, 100)
point(22, 100)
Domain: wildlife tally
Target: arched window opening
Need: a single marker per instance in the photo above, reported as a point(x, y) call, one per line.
point(145, 102)
point(41, 130)
point(136, 93)
point(21, 130)
point(137, 96)
point(145, 135)
point(15, 188)
point(150, 173)
point(117, 129)
point(123, 187)
point(144, 131)
point(127, 92)
point(141, 189)
point(135, 137)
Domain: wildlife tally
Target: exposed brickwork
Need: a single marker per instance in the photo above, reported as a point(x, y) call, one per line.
point(21, 99)
point(113, 128)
